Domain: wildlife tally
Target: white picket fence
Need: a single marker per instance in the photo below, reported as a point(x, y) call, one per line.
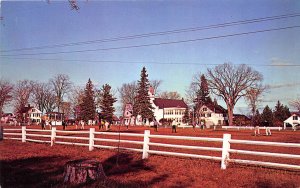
point(25, 134)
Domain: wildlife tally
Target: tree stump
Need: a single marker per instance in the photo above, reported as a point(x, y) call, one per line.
point(82, 171)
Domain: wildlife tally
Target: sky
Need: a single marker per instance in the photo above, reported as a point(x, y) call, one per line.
point(115, 57)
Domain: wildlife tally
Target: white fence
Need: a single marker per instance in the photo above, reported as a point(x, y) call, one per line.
point(92, 141)
point(250, 128)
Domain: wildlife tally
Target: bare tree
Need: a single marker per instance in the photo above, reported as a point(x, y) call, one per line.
point(39, 95)
point(76, 98)
point(50, 101)
point(170, 95)
point(62, 85)
point(191, 92)
point(6, 89)
point(155, 84)
point(127, 93)
point(22, 93)
point(296, 104)
point(231, 82)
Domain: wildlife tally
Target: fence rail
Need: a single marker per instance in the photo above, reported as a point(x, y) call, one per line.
point(147, 146)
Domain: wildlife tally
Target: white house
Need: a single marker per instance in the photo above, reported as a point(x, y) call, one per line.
point(31, 114)
point(293, 120)
point(212, 114)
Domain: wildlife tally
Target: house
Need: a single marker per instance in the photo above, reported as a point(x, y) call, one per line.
point(241, 120)
point(55, 118)
point(212, 114)
point(293, 120)
point(31, 114)
point(8, 118)
point(163, 109)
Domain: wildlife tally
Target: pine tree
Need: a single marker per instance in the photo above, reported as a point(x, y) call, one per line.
point(267, 117)
point(88, 106)
point(203, 93)
point(107, 103)
point(186, 116)
point(256, 119)
point(142, 105)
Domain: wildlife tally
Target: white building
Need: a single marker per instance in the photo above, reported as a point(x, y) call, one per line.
point(31, 114)
point(293, 120)
point(212, 114)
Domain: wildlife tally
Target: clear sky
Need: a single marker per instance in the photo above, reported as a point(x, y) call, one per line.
point(27, 24)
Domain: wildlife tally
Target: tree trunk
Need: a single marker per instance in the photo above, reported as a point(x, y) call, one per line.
point(230, 115)
point(82, 171)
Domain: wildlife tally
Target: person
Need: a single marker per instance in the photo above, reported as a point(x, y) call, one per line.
point(50, 125)
point(174, 124)
point(268, 131)
point(106, 125)
point(64, 124)
point(155, 125)
point(202, 125)
point(82, 124)
point(127, 124)
point(194, 125)
point(256, 130)
point(43, 124)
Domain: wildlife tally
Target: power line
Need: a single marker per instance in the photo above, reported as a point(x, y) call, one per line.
point(146, 35)
point(149, 62)
point(156, 44)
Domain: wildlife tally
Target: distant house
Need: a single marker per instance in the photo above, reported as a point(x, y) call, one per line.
point(241, 120)
point(127, 116)
point(169, 109)
point(31, 114)
point(293, 120)
point(212, 114)
point(55, 118)
point(7, 118)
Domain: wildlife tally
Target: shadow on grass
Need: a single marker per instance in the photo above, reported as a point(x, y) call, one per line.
point(31, 172)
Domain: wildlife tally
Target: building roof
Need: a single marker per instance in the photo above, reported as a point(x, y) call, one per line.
point(295, 113)
point(216, 108)
point(25, 109)
point(241, 116)
point(169, 103)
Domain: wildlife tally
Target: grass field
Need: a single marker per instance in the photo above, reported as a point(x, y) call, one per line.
point(39, 165)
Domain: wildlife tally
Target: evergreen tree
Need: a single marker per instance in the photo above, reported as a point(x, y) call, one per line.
point(203, 93)
point(142, 105)
point(186, 116)
point(281, 112)
point(107, 103)
point(256, 119)
point(267, 117)
point(88, 106)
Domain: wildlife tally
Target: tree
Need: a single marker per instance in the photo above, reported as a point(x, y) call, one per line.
point(186, 116)
point(256, 118)
point(76, 98)
point(281, 112)
point(170, 95)
point(253, 98)
point(42, 97)
point(267, 117)
point(22, 94)
point(107, 103)
point(191, 92)
point(62, 86)
point(127, 93)
point(296, 104)
point(231, 82)
point(202, 93)
point(142, 105)
point(88, 106)
point(6, 89)
point(155, 84)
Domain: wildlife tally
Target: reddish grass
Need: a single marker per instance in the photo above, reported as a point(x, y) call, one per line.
point(39, 165)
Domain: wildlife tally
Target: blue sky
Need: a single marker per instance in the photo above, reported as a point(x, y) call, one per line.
point(28, 24)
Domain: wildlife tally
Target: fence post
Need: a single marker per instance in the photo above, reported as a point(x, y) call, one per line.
point(225, 150)
point(146, 144)
point(91, 141)
point(23, 133)
point(53, 135)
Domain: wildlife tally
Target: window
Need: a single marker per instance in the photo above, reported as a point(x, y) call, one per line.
point(295, 117)
point(209, 115)
point(204, 109)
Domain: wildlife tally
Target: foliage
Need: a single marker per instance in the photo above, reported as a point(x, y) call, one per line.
point(6, 89)
point(231, 82)
point(61, 86)
point(142, 105)
point(88, 106)
point(186, 116)
point(267, 118)
point(127, 93)
point(170, 95)
point(281, 112)
point(107, 103)
point(202, 93)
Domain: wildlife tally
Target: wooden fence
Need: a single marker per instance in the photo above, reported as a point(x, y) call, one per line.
point(91, 139)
